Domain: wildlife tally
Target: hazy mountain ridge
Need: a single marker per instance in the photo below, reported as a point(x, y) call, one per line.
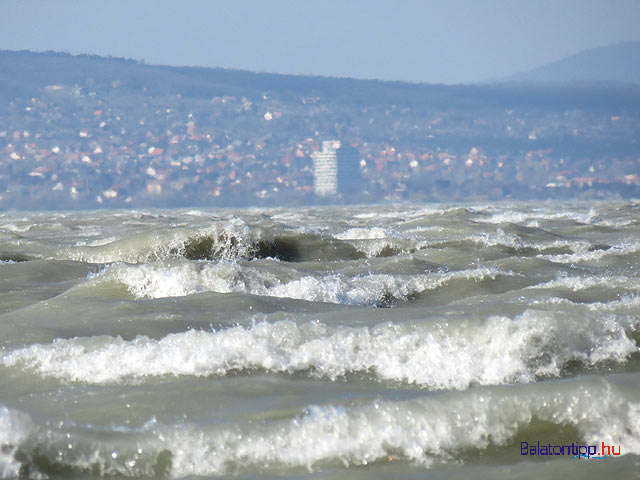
point(613, 63)
point(24, 72)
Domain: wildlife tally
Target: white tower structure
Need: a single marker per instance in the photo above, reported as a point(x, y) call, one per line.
point(325, 169)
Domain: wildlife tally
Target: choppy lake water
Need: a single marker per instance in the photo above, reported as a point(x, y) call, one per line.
point(352, 342)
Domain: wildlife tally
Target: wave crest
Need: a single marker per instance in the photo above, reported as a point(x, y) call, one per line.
point(437, 356)
point(423, 430)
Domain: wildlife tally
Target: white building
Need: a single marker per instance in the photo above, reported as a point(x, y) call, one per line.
point(336, 169)
point(325, 169)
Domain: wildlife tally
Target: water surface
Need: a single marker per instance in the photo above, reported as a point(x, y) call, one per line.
point(352, 342)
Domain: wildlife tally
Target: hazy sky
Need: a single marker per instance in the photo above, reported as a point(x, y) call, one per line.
point(450, 41)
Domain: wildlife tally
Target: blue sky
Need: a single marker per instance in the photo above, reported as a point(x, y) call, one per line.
point(443, 41)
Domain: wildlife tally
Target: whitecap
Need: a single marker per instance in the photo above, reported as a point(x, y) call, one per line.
point(162, 279)
point(437, 355)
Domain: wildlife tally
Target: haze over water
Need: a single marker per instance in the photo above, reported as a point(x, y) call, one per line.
point(331, 342)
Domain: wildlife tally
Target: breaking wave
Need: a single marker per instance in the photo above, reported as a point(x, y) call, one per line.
point(437, 355)
point(423, 430)
point(14, 429)
point(576, 283)
point(231, 241)
point(161, 279)
point(585, 218)
point(595, 254)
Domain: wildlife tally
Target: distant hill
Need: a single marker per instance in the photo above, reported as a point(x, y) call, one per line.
point(614, 63)
point(82, 131)
point(24, 74)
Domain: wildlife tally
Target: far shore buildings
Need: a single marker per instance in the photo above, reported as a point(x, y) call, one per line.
point(336, 169)
point(325, 169)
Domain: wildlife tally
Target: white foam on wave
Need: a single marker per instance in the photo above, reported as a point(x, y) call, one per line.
point(437, 355)
point(617, 223)
point(513, 216)
point(499, 238)
point(71, 452)
point(426, 229)
point(371, 241)
point(96, 243)
point(159, 279)
point(583, 283)
point(429, 211)
point(290, 216)
point(375, 248)
point(162, 279)
point(370, 215)
point(533, 217)
point(626, 304)
point(196, 213)
point(413, 214)
point(585, 255)
point(511, 240)
point(229, 240)
point(362, 234)
point(583, 250)
point(422, 430)
point(12, 227)
point(14, 428)
point(406, 213)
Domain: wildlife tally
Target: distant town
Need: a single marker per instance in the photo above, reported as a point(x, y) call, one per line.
point(110, 135)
